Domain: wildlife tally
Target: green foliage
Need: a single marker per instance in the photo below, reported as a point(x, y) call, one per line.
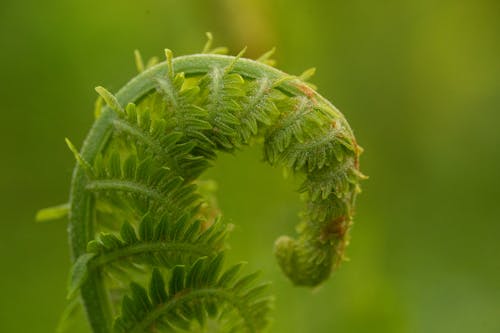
point(146, 236)
point(163, 244)
point(193, 296)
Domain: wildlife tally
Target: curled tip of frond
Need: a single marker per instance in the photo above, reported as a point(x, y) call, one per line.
point(139, 64)
point(110, 99)
point(208, 44)
point(266, 57)
point(169, 55)
point(307, 74)
point(78, 157)
point(303, 264)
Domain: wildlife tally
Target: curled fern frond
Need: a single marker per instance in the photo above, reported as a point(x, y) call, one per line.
point(145, 235)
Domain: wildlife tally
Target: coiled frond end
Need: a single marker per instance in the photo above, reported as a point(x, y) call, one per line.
point(303, 264)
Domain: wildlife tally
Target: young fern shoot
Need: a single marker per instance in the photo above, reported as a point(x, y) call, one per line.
point(147, 243)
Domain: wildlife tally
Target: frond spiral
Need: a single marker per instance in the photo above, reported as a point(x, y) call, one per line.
point(148, 244)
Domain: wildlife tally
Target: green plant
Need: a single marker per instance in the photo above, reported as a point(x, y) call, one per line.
point(142, 227)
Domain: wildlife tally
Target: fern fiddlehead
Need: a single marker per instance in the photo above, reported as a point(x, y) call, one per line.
point(137, 216)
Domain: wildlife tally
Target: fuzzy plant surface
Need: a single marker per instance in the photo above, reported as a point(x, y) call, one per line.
point(146, 239)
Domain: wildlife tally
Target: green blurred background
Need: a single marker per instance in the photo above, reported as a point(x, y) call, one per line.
point(419, 81)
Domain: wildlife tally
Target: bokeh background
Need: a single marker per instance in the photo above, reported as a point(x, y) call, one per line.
point(419, 81)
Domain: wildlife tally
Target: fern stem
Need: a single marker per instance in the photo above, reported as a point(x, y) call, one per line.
point(81, 227)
